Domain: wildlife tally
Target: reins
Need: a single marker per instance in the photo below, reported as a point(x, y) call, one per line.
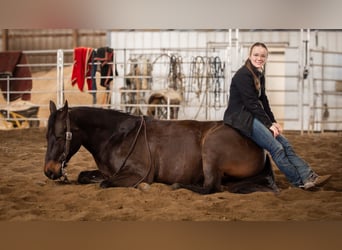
point(142, 124)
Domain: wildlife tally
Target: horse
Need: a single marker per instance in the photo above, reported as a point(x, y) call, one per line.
point(161, 97)
point(202, 156)
point(139, 79)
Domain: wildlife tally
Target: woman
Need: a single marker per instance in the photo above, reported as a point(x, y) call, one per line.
point(249, 112)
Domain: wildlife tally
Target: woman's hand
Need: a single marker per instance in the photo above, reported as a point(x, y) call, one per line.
point(278, 126)
point(276, 129)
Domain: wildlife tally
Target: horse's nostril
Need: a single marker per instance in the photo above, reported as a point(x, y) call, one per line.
point(50, 175)
point(47, 173)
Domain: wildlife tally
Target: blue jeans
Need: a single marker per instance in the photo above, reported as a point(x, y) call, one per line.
point(296, 170)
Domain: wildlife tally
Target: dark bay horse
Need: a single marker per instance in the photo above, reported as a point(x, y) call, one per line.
point(203, 156)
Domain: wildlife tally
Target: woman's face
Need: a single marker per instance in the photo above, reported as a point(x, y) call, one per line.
point(258, 57)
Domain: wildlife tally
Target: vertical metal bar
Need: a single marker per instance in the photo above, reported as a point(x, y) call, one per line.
point(124, 79)
point(8, 96)
point(228, 68)
point(311, 93)
point(301, 80)
point(303, 68)
point(322, 93)
point(306, 71)
point(60, 78)
point(206, 93)
point(237, 45)
point(112, 99)
point(168, 108)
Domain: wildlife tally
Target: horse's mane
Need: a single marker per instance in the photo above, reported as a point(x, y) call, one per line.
point(100, 117)
point(101, 111)
point(52, 119)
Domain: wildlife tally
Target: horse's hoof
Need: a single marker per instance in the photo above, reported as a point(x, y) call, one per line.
point(144, 186)
point(89, 177)
point(105, 184)
point(175, 186)
point(83, 180)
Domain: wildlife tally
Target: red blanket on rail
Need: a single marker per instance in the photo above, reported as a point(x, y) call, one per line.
point(8, 68)
point(81, 68)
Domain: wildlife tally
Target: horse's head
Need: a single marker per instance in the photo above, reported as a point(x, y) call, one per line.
point(62, 141)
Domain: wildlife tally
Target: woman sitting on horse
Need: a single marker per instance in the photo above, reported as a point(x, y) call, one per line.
point(249, 112)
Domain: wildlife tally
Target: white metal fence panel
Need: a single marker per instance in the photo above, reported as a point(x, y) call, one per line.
point(298, 103)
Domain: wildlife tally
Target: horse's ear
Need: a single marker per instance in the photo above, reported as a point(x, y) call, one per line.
point(65, 109)
point(66, 105)
point(52, 107)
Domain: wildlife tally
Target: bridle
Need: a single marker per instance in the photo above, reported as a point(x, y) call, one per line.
point(63, 157)
point(68, 138)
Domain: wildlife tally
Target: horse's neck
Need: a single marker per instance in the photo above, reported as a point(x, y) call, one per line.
point(92, 126)
point(97, 127)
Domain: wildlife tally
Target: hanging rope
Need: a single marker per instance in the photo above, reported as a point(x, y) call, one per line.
point(175, 74)
point(197, 74)
point(216, 74)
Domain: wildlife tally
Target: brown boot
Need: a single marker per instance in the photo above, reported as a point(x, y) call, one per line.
point(315, 181)
point(321, 180)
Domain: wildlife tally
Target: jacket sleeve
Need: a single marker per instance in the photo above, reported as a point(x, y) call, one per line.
point(249, 96)
point(266, 105)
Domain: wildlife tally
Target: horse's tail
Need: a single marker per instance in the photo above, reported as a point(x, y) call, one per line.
point(268, 174)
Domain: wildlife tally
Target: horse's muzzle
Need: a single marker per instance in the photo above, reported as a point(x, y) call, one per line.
point(53, 170)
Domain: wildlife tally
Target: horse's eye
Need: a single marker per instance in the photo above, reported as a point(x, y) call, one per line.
point(59, 138)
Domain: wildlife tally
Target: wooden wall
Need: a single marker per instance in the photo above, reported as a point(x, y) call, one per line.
point(50, 39)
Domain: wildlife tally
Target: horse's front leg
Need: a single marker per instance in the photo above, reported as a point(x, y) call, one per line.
point(123, 180)
point(88, 177)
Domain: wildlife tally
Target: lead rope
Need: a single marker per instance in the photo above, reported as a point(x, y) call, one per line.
point(131, 148)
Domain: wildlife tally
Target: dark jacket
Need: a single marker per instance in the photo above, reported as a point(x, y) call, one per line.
point(245, 102)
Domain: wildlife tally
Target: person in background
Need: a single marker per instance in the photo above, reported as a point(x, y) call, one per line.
point(249, 112)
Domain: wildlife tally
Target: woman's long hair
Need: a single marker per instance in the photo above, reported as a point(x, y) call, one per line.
point(249, 65)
